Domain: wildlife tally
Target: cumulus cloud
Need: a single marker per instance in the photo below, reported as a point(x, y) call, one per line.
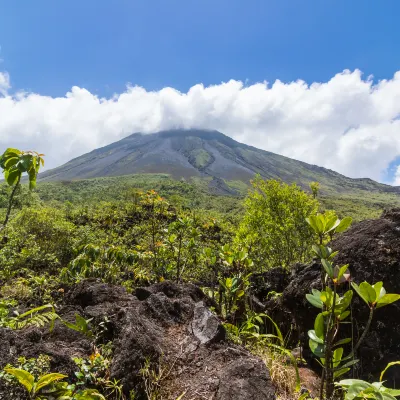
point(349, 123)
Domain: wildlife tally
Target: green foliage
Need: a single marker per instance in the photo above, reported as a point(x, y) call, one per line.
point(334, 306)
point(273, 228)
point(38, 316)
point(14, 163)
point(38, 239)
point(34, 387)
point(81, 325)
point(357, 389)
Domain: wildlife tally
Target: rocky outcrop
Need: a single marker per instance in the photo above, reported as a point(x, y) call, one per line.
point(167, 323)
point(372, 250)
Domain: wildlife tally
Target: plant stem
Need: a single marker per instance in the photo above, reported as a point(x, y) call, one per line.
point(371, 313)
point(10, 203)
point(330, 387)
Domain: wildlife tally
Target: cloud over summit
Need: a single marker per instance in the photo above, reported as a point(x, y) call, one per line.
point(348, 124)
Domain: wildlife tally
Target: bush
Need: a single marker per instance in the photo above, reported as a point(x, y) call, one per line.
point(38, 239)
point(274, 230)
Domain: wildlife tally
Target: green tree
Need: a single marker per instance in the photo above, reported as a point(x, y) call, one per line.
point(14, 163)
point(314, 186)
point(274, 230)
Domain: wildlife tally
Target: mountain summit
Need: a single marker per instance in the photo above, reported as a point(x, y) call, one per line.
point(200, 153)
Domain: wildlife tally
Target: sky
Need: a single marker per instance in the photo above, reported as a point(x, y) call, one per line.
point(315, 80)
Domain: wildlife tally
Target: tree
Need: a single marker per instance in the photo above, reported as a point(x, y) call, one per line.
point(274, 230)
point(314, 186)
point(14, 163)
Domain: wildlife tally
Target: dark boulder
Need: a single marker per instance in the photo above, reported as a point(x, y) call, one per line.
point(372, 250)
point(245, 379)
point(168, 324)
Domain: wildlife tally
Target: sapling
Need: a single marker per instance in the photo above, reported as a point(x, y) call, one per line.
point(15, 163)
point(334, 306)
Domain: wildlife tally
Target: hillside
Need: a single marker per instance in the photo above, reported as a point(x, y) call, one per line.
point(209, 155)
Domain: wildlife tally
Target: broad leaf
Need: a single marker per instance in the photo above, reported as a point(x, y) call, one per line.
point(344, 224)
point(314, 300)
point(319, 325)
point(24, 377)
point(387, 299)
point(312, 335)
point(48, 379)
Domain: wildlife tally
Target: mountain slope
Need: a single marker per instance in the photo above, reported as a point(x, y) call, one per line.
point(205, 154)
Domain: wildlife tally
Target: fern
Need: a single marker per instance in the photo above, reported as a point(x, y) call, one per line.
point(38, 316)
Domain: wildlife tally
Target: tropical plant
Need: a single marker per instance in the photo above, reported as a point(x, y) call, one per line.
point(15, 163)
point(94, 261)
point(357, 389)
point(314, 186)
point(35, 387)
point(232, 300)
point(323, 339)
point(38, 316)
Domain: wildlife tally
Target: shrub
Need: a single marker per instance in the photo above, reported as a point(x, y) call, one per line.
point(274, 229)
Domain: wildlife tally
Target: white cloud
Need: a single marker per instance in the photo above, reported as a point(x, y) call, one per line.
point(348, 124)
point(397, 176)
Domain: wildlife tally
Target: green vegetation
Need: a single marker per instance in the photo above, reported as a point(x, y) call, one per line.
point(143, 229)
point(335, 308)
point(274, 228)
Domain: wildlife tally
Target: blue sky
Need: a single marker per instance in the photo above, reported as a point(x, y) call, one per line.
point(48, 46)
point(338, 117)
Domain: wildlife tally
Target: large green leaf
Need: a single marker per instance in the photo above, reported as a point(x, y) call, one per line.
point(328, 267)
point(344, 224)
point(317, 348)
point(47, 380)
point(23, 377)
point(12, 176)
point(319, 325)
point(364, 294)
point(387, 299)
point(313, 336)
point(314, 300)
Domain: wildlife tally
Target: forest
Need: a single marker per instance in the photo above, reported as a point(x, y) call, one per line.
point(100, 283)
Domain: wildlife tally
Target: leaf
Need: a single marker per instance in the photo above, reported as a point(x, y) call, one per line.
point(319, 325)
point(387, 299)
point(337, 356)
point(344, 225)
point(12, 177)
point(48, 379)
point(312, 335)
point(342, 341)
point(344, 315)
point(332, 223)
point(314, 300)
point(342, 271)
point(350, 382)
point(387, 367)
point(317, 348)
point(348, 364)
point(278, 331)
point(315, 224)
point(368, 292)
point(340, 372)
point(24, 377)
point(358, 291)
point(327, 267)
